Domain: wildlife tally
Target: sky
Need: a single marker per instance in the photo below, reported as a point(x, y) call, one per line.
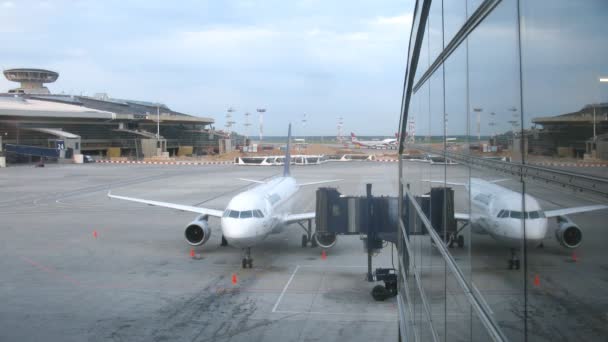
point(322, 59)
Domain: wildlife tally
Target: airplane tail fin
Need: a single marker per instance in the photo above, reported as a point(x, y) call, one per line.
point(286, 171)
point(353, 137)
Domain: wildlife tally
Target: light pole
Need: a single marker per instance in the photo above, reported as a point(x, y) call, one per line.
point(157, 123)
point(478, 111)
point(247, 124)
point(602, 80)
point(261, 111)
point(229, 121)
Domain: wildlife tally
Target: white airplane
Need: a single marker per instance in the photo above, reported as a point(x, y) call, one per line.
point(497, 211)
point(252, 215)
point(373, 143)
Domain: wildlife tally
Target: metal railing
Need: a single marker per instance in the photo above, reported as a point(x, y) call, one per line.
point(548, 176)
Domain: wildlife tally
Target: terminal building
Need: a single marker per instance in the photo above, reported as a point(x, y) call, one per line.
point(31, 116)
point(581, 134)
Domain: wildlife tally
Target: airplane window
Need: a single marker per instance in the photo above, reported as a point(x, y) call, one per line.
point(534, 215)
point(246, 214)
point(226, 213)
point(258, 214)
point(234, 214)
point(500, 213)
point(516, 214)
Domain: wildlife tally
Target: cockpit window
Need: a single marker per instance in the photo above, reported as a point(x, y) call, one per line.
point(226, 213)
point(503, 214)
point(258, 213)
point(246, 214)
point(516, 214)
point(234, 214)
point(534, 215)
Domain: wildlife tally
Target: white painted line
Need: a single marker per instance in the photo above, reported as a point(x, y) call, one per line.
point(335, 266)
point(336, 313)
point(276, 305)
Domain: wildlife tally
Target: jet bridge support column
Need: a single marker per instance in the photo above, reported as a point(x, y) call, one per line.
point(371, 236)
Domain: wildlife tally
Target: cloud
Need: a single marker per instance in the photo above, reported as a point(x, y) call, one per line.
point(7, 4)
point(404, 20)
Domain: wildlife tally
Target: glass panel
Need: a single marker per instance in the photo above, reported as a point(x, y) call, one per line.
point(246, 214)
point(454, 16)
point(234, 214)
point(493, 102)
point(565, 122)
point(424, 57)
point(435, 31)
point(472, 6)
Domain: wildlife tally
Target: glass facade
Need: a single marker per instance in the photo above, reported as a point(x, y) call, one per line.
point(504, 168)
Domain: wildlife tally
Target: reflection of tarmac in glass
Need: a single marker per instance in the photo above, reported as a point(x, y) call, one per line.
point(567, 293)
point(135, 280)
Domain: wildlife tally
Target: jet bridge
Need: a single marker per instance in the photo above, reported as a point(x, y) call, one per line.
point(375, 219)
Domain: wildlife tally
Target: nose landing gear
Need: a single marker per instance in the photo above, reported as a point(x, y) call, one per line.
point(247, 261)
point(514, 261)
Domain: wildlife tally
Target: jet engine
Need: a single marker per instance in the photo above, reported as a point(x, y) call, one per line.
point(198, 231)
point(568, 233)
point(325, 240)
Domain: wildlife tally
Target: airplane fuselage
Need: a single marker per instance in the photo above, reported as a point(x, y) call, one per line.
point(256, 213)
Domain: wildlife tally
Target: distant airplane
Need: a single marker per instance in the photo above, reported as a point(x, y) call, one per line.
point(497, 211)
point(251, 215)
point(374, 143)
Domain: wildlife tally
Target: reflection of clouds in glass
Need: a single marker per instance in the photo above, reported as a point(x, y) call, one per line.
point(563, 53)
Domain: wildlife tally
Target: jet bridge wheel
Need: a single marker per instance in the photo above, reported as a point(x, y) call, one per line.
point(304, 241)
point(380, 293)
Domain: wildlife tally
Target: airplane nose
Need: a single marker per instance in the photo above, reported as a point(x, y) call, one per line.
point(536, 229)
point(238, 233)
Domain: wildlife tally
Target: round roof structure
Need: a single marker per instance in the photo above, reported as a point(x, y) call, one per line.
point(31, 75)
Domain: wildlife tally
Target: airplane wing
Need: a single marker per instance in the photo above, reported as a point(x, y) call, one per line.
point(461, 216)
point(251, 180)
point(442, 182)
point(499, 180)
point(319, 182)
point(575, 210)
point(204, 211)
point(293, 218)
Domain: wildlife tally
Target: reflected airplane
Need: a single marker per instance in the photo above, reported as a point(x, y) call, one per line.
point(252, 215)
point(497, 211)
point(373, 143)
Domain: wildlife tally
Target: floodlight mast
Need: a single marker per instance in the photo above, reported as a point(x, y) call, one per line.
point(261, 111)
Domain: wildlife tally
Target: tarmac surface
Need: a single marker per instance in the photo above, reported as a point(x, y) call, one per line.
point(78, 266)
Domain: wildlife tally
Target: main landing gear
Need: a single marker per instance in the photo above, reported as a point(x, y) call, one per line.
point(224, 242)
point(514, 261)
point(307, 238)
point(247, 261)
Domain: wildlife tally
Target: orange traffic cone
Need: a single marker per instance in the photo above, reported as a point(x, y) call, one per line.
point(234, 279)
point(323, 255)
point(536, 280)
point(192, 252)
point(95, 234)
